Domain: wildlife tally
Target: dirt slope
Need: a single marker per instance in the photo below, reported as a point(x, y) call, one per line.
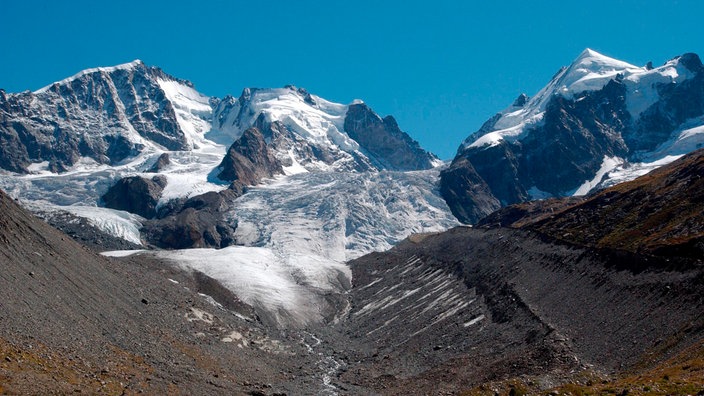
point(71, 320)
point(661, 213)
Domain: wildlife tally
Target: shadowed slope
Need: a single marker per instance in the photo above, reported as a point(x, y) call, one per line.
point(71, 320)
point(661, 213)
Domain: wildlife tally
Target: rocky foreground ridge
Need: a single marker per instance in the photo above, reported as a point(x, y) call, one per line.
point(77, 322)
point(609, 287)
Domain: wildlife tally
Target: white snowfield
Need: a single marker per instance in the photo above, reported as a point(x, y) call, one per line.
point(294, 233)
point(591, 71)
point(292, 293)
point(193, 111)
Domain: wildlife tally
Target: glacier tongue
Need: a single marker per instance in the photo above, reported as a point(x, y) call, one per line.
point(341, 216)
point(300, 230)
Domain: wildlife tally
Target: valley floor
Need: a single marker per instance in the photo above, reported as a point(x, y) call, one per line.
point(467, 311)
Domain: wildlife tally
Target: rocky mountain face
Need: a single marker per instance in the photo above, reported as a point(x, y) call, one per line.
point(166, 146)
point(383, 141)
point(598, 122)
point(104, 114)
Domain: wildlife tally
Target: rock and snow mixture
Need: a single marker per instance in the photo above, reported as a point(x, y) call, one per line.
point(335, 200)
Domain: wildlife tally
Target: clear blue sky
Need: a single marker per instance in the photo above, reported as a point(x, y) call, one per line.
point(440, 67)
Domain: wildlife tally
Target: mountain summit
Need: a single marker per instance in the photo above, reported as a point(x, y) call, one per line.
point(598, 122)
point(309, 133)
point(104, 114)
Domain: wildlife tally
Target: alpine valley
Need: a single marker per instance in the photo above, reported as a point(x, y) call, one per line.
point(279, 243)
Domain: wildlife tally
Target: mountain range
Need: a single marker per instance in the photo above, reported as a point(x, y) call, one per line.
point(107, 115)
point(309, 247)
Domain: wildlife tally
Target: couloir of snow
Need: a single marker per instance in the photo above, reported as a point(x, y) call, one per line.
point(608, 164)
point(193, 111)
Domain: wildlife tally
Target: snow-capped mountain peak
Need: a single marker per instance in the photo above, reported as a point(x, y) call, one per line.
point(113, 114)
point(589, 72)
point(125, 66)
point(597, 122)
point(309, 133)
point(310, 116)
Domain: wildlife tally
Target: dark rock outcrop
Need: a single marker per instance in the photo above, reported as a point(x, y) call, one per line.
point(249, 160)
point(194, 223)
point(384, 142)
point(162, 162)
point(466, 193)
point(136, 195)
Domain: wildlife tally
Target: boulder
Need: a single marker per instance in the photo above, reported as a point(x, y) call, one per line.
point(136, 195)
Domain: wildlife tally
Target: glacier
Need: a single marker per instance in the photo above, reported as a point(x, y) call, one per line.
point(297, 232)
point(294, 233)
